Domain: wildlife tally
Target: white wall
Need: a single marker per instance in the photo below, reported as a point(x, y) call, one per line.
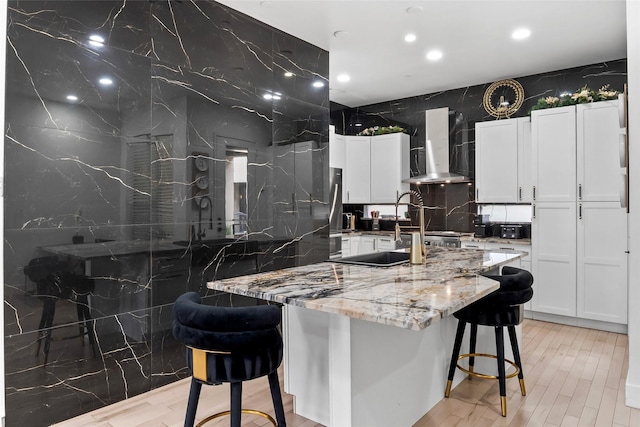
point(633, 69)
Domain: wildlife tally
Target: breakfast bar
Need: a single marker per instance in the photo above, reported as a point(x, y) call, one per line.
point(370, 346)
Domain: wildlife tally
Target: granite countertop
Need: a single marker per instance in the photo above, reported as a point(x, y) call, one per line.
point(406, 296)
point(472, 238)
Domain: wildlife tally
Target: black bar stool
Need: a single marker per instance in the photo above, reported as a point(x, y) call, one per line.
point(502, 308)
point(229, 344)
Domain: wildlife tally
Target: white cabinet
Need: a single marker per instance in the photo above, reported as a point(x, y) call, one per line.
point(579, 230)
point(602, 262)
point(503, 161)
point(553, 238)
point(389, 166)
point(337, 151)
point(553, 134)
point(598, 164)
point(356, 174)
point(367, 244)
point(375, 168)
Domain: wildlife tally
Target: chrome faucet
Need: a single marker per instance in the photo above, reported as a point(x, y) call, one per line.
point(418, 196)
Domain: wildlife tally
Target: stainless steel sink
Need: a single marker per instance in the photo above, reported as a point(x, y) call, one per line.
point(376, 259)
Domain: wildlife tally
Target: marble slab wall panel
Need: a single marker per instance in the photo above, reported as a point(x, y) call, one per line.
point(143, 163)
point(467, 102)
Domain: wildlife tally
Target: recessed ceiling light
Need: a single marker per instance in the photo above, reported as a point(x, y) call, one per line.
point(414, 10)
point(343, 78)
point(410, 38)
point(340, 33)
point(72, 98)
point(521, 33)
point(266, 3)
point(434, 55)
point(288, 74)
point(106, 81)
point(318, 84)
point(96, 40)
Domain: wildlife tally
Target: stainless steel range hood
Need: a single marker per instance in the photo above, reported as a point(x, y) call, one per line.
point(437, 150)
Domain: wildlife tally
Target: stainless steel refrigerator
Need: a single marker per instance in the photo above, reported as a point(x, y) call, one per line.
point(335, 213)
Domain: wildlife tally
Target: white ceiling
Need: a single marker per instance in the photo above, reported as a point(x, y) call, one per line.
point(474, 35)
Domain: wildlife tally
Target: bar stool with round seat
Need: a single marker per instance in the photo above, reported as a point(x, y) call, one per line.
point(229, 345)
point(502, 308)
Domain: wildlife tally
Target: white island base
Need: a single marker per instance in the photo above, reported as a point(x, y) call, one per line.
point(348, 372)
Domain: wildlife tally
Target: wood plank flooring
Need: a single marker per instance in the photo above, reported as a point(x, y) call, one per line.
point(574, 377)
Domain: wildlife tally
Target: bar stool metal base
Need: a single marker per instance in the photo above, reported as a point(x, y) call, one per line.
point(471, 372)
point(244, 411)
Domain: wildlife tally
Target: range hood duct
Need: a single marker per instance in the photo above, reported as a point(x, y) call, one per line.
point(437, 149)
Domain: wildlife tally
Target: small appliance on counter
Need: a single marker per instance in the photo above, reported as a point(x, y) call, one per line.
point(483, 227)
point(515, 231)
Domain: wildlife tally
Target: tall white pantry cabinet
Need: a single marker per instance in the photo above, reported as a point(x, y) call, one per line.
point(579, 229)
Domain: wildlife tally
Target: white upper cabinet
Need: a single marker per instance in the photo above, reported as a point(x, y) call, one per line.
point(389, 166)
point(356, 174)
point(375, 167)
point(553, 134)
point(503, 160)
point(337, 151)
point(598, 135)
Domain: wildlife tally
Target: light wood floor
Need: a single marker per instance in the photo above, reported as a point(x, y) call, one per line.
point(574, 377)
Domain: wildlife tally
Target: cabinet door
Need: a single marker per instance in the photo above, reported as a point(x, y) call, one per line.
point(357, 172)
point(497, 161)
point(553, 229)
point(367, 244)
point(337, 154)
point(389, 166)
point(385, 244)
point(598, 160)
point(525, 164)
point(553, 135)
point(602, 262)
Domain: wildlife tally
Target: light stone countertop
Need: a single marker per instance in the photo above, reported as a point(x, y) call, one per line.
point(406, 296)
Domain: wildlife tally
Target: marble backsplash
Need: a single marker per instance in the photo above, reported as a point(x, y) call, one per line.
point(122, 122)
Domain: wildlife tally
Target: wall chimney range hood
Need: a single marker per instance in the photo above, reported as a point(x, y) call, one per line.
point(440, 126)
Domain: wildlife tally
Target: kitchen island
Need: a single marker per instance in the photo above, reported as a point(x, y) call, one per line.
point(370, 346)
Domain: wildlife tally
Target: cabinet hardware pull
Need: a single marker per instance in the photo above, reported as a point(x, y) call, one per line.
point(472, 246)
point(507, 249)
point(347, 195)
point(534, 211)
point(477, 193)
point(580, 211)
point(580, 192)
point(534, 192)
point(519, 193)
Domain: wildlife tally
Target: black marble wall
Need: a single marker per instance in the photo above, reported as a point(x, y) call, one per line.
point(127, 186)
point(451, 206)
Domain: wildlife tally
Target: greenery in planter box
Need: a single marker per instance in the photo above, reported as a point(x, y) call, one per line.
point(581, 96)
point(380, 130)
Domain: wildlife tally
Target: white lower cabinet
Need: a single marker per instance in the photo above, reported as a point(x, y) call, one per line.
point(553, 235)
point(367, 244)
point(602, 262)
point(364, 244)
point(580, 260)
